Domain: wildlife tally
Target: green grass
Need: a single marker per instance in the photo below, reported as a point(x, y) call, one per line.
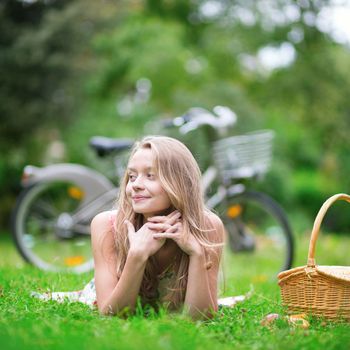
point(26, 322)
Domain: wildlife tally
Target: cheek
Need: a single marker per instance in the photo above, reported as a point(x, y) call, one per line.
point(165, 197)
point(128, 189)
point(159, 192)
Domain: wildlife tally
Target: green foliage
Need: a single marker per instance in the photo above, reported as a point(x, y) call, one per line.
point(41, 64)
point(77, 68)
point(312, 190)
point(35, 66)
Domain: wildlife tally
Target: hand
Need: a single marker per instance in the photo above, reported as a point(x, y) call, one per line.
point(173, 229)
point(162, 223)
point(142, 242)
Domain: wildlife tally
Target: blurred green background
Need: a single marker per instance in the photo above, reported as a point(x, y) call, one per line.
point(73, 69)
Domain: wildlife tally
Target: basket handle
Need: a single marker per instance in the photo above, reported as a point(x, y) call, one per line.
point(316, 228)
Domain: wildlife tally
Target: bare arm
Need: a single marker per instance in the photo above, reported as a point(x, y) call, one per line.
point(114, 295)
point(201, 293)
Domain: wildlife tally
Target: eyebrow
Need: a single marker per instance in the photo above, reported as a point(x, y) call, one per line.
point(133, 169)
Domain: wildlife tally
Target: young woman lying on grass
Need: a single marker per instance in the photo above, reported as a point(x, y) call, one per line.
point(162, 245)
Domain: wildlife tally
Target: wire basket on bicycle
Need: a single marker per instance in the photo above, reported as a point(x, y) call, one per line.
point(244, 156)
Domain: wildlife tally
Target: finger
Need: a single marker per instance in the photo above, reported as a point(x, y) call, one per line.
point(164, 235)
point(158, 227)
point(173, 213)
point(173, 229)
point(130, 227)
point(159, 238)
point(172, 220)
point(157, 219)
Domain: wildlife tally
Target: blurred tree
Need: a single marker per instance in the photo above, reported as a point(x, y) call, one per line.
point(43, 55)
point(309, 96)
point(120, 64)
point(35, 61)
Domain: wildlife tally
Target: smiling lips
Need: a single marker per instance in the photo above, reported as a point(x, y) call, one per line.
point(139, 198)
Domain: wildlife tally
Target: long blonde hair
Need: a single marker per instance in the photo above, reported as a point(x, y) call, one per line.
point(179, 175)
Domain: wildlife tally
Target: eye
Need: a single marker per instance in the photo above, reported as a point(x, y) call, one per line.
point(132, 177)
point(151, 176)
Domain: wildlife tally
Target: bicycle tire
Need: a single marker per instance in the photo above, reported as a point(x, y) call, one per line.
point(38, 233)
point(267, 228)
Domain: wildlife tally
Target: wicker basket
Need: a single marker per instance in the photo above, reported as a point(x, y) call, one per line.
point(318, 290)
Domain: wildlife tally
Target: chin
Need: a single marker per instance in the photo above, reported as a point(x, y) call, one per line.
point(151, 212)
point(143, 211)
point(139, 211)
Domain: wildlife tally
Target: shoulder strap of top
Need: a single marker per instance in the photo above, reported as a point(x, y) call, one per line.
point(112, 221)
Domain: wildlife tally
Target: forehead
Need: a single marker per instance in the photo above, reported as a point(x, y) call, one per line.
point(143, 157)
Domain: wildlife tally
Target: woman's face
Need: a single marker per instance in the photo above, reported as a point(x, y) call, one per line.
point(144, 189)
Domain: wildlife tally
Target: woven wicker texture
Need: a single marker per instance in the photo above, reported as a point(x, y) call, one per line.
point(318, 290)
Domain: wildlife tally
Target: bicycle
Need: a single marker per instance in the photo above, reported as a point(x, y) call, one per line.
point(50, 222)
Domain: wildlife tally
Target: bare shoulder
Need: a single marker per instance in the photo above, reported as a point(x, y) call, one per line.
point(213, 219)
point(215, 226)
point(101, 225)
point(102, 220)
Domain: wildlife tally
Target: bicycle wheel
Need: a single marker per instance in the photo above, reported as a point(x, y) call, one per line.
point(50, 228)
point(260, 242)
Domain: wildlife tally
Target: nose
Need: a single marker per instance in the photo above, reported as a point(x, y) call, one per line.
point(138, 183)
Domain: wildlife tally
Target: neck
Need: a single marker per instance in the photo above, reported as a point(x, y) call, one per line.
point(162, 212)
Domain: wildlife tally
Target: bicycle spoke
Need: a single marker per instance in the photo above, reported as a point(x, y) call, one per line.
point(259, 239)
point(82, 229)
point(45, 208)
point(46, 234)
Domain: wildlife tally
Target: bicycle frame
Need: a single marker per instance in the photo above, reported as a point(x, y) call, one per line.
point(89, 179)
point(91, 192)
point(222, 192)
point(96, 190)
